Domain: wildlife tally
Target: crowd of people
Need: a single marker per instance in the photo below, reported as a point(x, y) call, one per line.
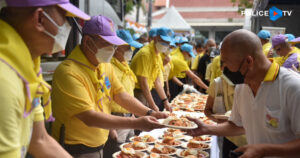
point(113, 85)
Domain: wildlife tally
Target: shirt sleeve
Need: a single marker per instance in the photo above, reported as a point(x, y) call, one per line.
point(235, 114)
point(69, 95)
point(38, 114)
point(195, 63)
point(141, 65)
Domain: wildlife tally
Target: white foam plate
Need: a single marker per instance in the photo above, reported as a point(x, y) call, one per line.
point(184, 145)
point(147, 146)
point(143, 155)
point(165, 123)
point(178, 153)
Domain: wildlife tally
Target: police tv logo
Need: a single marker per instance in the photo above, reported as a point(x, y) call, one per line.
point(273, 13)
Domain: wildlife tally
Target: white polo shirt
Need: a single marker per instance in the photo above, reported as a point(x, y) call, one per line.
point(273, 115)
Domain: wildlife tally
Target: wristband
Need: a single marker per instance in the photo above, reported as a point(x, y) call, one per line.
point(164, 99)
point(149, 112)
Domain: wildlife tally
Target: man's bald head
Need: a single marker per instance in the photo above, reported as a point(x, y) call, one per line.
point(210, 43)
point(241, 43)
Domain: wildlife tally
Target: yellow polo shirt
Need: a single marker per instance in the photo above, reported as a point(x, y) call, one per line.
point(196, 61)
point(178, 54)
point(15, 129)
point(266, 48)
point(127, 81)
point(178, 66)
point(74, 92)
point(148, 64)
point(215, 68)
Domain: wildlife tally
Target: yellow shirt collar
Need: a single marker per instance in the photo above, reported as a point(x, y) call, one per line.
point(272, 72)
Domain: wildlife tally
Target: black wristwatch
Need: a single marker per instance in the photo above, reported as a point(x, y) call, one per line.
point(149, 112)
point(164, 100)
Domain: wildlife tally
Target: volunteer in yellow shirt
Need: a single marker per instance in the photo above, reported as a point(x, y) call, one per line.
point(127, 78)
point(178, 66)
point(289, 56)
point(215, 68)
point(200, 52)
point(147, 66)
point(84, 86)
point(264, 36)
point(28, 30)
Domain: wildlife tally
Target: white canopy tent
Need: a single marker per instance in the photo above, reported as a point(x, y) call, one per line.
point(173, 20)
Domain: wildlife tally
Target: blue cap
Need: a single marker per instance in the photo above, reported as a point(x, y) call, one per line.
point(290, 37)
point(165, 34)
point(188, 48)
point(126, 36)
point(183, 40)
point(136, 36)
point(176, 39)
point(264, 34)
point(153, 32)
point(173, 43)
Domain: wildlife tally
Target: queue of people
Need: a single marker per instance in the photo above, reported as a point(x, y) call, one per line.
point(111, 84)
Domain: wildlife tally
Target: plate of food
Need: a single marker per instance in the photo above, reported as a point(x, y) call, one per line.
point(162, 150)
point(192, 153)
point(196, 144)
point(137, 146)
point(154, 155)
point(129, 153)
point(200, 106)
point(178, 123)
point(202, 138)
point(169, 141)
point(146, 138)
point(176, 135)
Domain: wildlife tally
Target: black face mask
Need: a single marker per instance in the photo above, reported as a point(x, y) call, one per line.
point(234, 77)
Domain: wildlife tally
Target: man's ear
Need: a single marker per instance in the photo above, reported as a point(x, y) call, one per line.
point(38, 20)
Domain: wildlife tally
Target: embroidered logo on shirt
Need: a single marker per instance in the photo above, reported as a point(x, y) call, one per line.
point(107, 83)
point(272, 121)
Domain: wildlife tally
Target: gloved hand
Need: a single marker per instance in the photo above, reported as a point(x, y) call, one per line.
point(189, 89)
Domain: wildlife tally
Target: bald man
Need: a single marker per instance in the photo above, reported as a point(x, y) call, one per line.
point(266, 107)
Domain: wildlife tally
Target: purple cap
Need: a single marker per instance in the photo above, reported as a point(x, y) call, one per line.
point(278, 39)
point(63, 4)
point(104, 27)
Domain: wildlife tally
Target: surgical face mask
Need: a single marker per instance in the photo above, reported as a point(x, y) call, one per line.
point(234, 77)
point(128, 55)
point(161, 47)
point(105, 54)
point(60, 39)
point(168, 51)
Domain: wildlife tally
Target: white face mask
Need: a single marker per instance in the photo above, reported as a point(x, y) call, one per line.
point(161, 47)
point(187, 57)
point(128, 55)
point(105, 54)
point(60, 39)
point(168, 51)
